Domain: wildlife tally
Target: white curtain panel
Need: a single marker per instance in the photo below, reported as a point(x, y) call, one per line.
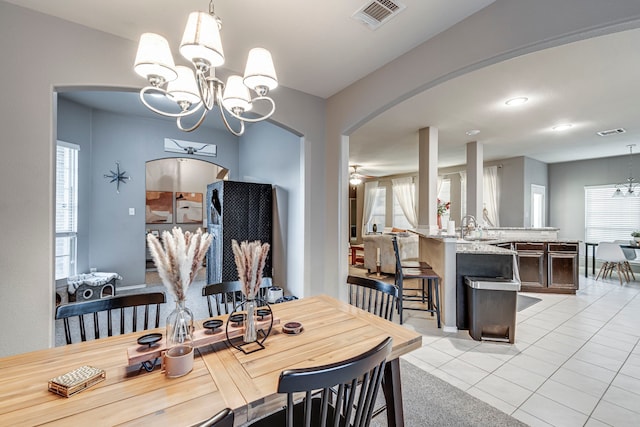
point(404, 191)
point(490, 189)
point(370, 195)
point(491, 196)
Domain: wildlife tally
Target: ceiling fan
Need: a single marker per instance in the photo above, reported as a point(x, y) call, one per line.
point(355, 178)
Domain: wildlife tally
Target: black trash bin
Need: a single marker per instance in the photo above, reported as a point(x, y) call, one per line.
point(492, 308)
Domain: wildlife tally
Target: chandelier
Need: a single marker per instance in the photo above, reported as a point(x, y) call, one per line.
point(355, 178)
point(630, 186)
point(195, 92)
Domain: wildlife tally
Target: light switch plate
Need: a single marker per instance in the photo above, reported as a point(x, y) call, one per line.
point(132, 211)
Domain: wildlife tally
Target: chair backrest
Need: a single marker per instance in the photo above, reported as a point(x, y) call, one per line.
point(223, 418)
point(394, 241)
point(353, 404)
point(609, 251)
point(101, 308)
point(629, 253)
point(223, 297)
point(375, 296)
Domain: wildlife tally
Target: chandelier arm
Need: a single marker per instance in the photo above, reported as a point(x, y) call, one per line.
point(258, 119)
point(194, 109)
point(229, 128)
point(203, 114)
point(207, 89)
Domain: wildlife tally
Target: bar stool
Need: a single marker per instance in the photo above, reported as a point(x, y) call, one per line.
point(427, 276)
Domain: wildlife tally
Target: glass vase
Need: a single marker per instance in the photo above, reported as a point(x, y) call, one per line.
point(180, 326)
point(250, 331)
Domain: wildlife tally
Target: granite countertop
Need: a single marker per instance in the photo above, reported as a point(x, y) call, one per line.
point(533, 239)
point(482, 248)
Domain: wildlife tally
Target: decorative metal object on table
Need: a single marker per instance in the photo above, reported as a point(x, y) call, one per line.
point(253, 336)
point(150, 340)
point(250, 258)
point(178, 259)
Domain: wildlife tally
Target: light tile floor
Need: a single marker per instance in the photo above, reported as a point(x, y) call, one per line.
point(575, 362)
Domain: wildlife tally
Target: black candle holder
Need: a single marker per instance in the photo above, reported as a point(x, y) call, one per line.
point(238, 317)
point(149, 340)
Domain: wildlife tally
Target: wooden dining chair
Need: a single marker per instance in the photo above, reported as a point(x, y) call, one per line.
point(372, 295)
point(224, 418)
point(352, 406)
point(223, 297)
point(428, 294)
point(124, 307)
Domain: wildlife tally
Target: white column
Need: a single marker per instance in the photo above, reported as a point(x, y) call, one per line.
point(475, 154)
point(427, 189)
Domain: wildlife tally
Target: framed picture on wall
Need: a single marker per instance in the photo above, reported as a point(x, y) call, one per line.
point(159, 207)
point(188, 208)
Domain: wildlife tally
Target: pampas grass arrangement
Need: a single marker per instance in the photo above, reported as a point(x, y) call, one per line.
point(178, 258)
point(250, 258)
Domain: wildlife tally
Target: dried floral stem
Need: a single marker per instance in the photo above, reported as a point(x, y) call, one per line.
point(250, 258)
point(178, 258)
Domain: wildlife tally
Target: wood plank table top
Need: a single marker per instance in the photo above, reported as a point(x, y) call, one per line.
point(222, 375)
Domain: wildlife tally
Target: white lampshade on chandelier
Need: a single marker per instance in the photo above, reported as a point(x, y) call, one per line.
point(197, 91)
point(628, 189)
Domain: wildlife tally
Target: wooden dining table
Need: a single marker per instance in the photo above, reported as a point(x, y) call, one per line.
point(222, 376)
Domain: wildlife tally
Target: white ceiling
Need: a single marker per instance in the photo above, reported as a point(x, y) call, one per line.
point(319, 49)
point(593, 84)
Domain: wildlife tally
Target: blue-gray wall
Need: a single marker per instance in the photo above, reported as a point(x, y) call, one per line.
point(566, 189)
point(273, 155)
point(110, 239)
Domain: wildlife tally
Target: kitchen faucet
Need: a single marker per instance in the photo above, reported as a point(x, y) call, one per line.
point(466, 226)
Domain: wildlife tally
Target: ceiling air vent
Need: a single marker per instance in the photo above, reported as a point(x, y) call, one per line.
point(611, 132)
point(377, 12)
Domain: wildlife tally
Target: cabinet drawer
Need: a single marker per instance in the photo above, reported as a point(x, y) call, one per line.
point(563, 247)
point(530, 246)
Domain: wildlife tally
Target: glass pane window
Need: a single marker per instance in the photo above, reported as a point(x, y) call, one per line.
point(66, 208)
point(379, 210)
point(608, 218)
point(444, 193)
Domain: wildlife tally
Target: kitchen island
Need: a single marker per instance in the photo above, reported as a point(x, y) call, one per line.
point(453, 259)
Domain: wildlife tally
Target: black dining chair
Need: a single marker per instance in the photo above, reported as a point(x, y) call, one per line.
point(125, 307)
point(376, 297)
point(428, 294)
point(223, 418)
point(352, 406)
point(223, 297)
point(372, 295)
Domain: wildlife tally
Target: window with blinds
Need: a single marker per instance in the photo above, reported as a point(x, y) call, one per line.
point(608, 218)
point(66, 208)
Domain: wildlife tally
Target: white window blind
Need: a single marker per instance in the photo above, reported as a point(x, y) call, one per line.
point(66, 208)
point(608, 218)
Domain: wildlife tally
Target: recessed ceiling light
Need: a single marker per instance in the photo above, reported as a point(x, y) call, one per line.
point(516, 101)
point(563, 126)
point(472, 132)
